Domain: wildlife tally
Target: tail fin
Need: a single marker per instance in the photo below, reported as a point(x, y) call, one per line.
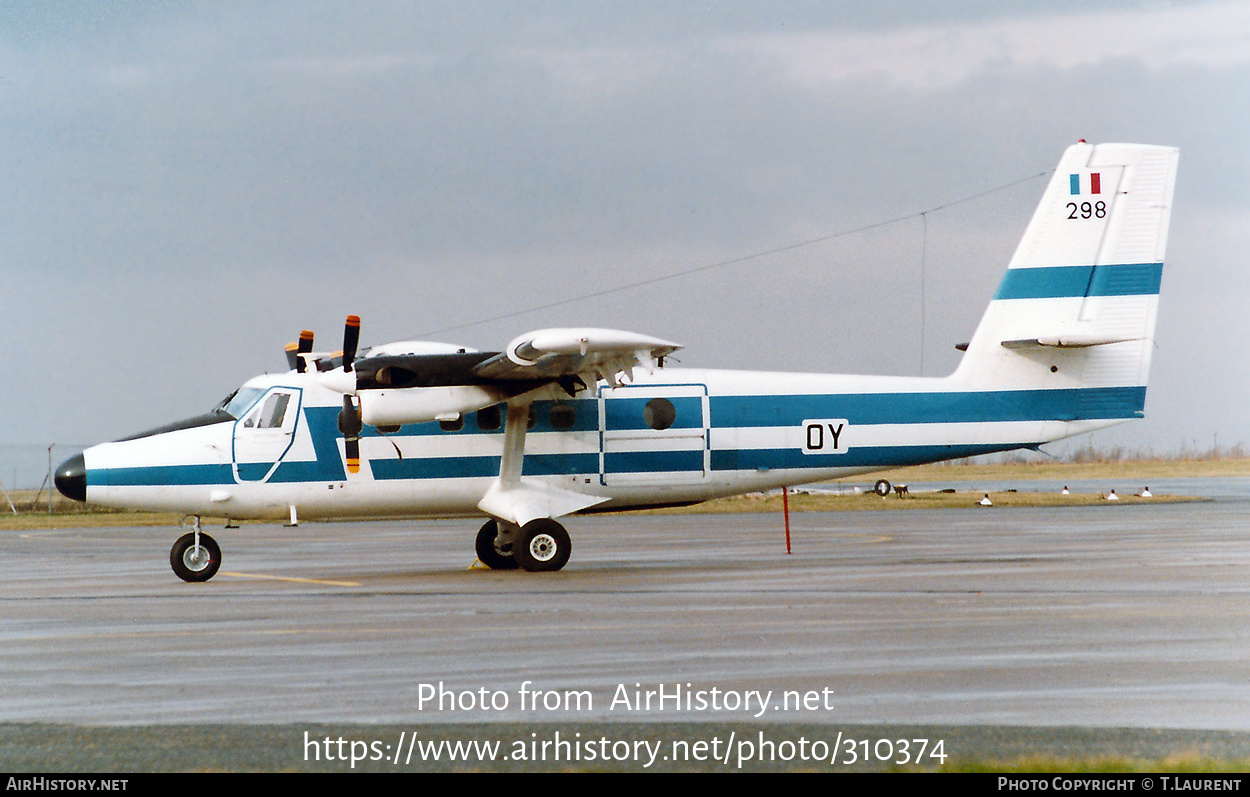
point(1076, 310)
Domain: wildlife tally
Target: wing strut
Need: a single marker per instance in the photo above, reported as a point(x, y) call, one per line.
point(516, 424)
point(517, 500)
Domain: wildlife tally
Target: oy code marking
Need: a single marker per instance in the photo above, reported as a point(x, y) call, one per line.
point(824, 436)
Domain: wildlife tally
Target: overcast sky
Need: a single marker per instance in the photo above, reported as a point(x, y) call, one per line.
point(187, 186)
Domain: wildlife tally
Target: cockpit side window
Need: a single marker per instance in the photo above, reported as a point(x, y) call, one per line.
point(274, 410)
point(241, 400)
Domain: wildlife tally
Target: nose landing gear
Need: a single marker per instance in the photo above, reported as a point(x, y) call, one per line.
point(195, 556)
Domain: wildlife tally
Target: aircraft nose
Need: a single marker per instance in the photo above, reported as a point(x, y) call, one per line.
point(71, 478)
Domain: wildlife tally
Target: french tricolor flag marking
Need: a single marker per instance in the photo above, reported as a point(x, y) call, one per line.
point(1095, 183)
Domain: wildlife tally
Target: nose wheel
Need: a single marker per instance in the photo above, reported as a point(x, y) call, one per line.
point(195, 556)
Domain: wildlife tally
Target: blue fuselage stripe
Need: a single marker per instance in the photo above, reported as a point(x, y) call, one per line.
point(1131, 279)
point(879, 457)
point(161, 475)
point(919, 408)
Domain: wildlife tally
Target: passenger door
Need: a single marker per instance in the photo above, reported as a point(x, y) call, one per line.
point(653, 434)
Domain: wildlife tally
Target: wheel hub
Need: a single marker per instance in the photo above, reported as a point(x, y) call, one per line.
point(543, 547)
point(196, 558)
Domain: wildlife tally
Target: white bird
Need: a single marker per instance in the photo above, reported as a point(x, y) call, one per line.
point(986, 501)
point(1113, 496)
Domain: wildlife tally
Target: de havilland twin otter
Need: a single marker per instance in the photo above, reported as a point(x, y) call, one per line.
point(568, 420)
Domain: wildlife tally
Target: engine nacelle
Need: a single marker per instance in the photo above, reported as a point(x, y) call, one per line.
point(422, 404)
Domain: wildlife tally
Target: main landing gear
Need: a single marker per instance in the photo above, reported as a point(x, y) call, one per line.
point(541, 545)
point(195, 556)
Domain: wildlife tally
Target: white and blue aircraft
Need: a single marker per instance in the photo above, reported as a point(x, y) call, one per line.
point(568, 420)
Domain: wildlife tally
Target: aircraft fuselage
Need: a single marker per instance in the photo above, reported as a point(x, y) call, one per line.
point(674, 437)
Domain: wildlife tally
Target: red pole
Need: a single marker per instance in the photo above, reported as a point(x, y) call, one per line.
point(785, 507)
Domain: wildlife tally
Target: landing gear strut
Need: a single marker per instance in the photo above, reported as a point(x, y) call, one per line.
point(492, 551)
point(195, 556)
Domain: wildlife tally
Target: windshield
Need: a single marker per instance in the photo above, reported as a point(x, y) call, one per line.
point(240, 400)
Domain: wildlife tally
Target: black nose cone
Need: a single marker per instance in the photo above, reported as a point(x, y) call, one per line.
point(71, 478)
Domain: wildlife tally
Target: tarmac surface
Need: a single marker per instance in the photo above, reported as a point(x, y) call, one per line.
point(966, 623)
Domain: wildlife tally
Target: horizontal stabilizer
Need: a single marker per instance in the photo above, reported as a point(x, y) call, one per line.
point(1064, 342)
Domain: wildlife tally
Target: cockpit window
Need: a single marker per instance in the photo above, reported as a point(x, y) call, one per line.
point(274, 411)
point(240, 401)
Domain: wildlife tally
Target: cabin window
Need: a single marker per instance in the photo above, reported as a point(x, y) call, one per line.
point(454, 425)
point(563, 416)
point(489, 418)
point(659, 414)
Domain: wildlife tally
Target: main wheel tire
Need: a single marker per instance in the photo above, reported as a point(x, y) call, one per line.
point(882, 488)
point(193, 563)
point(542, 546)
point(491, 555)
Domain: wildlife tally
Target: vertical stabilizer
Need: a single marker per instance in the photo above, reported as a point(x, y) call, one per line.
point(1076, 309)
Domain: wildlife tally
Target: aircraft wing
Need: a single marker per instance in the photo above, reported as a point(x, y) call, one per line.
point(405, 383)
point(584, 352)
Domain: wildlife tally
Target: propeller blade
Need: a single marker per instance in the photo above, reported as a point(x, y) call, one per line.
point(352, 446)
point(304, 347)
point(351, 338)
point(351, 425)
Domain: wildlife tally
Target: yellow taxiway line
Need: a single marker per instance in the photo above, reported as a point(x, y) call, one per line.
point(262, 576)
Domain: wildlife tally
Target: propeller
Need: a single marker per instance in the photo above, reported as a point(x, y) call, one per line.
point(295, 351)
point(304, 347)
point(350, 423)
point(351, 338)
